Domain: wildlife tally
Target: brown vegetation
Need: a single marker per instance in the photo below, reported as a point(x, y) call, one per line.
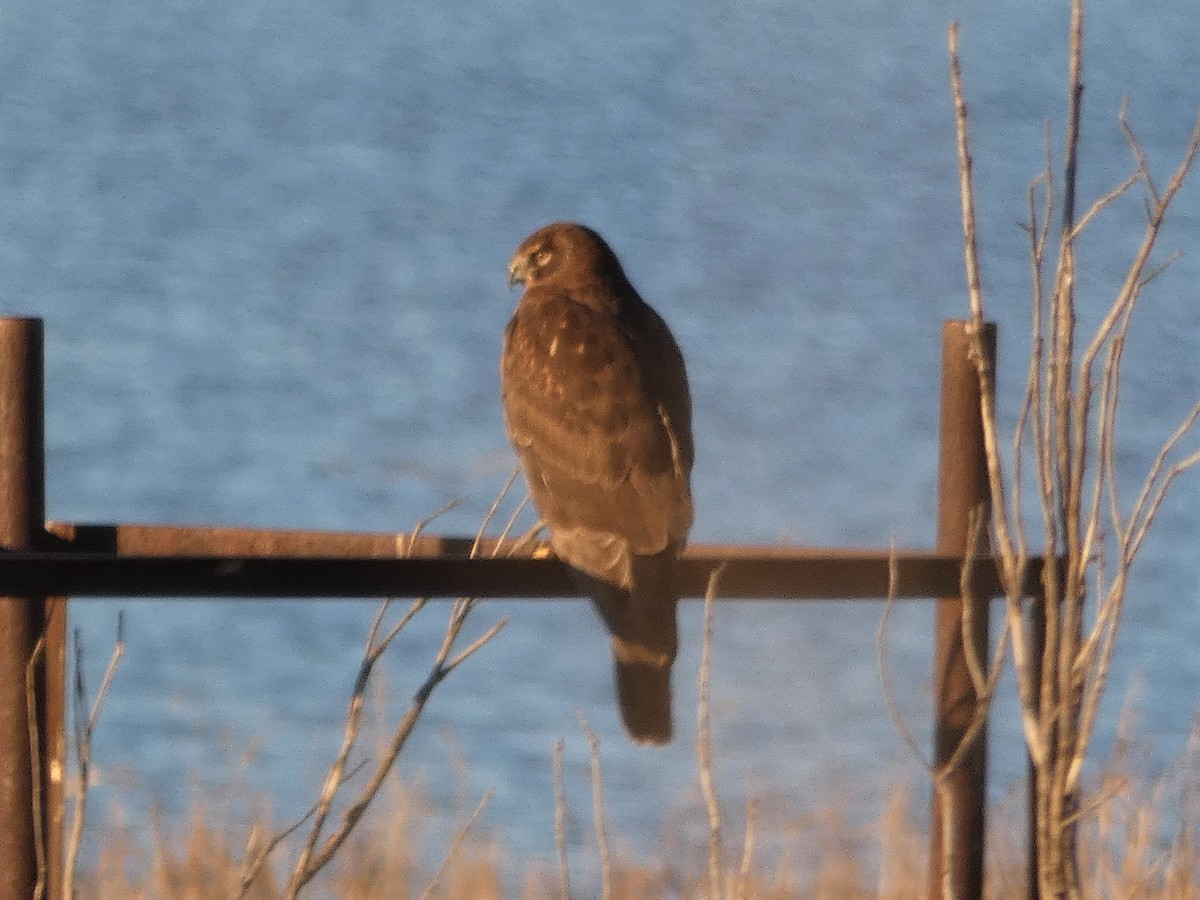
point(1141, 843)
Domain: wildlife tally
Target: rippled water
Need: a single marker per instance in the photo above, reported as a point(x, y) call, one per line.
point(269, 241)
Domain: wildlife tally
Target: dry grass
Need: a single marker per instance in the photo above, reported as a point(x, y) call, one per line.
point(1138, 840)
point(1141, 842)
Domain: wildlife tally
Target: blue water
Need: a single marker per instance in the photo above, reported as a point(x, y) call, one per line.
point(269, 240)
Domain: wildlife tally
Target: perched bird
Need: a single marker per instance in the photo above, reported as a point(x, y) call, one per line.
point(597, 406)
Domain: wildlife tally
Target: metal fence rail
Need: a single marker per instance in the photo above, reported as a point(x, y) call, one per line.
point(181, 561)
point(58, 559)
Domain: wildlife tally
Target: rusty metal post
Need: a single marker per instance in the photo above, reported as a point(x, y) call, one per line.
point(962, 488)
point(22, 516)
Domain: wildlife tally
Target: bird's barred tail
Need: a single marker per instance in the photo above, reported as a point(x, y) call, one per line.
point(643, 692)
point(644, 636)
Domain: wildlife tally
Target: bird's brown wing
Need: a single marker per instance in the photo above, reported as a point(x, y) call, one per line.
point(593, 407)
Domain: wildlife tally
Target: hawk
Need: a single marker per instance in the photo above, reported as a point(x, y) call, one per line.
point(597, 407)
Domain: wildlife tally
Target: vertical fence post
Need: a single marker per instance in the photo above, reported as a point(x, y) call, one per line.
point(962, 488)
point(22, 619)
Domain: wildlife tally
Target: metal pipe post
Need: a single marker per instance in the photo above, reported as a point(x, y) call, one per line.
point(22, 514)
point(962, 489)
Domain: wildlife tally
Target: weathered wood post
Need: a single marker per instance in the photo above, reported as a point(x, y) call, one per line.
point(22, 621)
point(962, 488)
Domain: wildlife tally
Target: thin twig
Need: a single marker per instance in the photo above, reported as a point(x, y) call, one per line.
point(315, 853)
point(1074, 114)
point(983, 680)
point(490, 514)
point(747, 850)
point(1135, 278)
point(885, 677)
point(1000, 514)
point(560, 824)
point(704, 741)
point(976, 521)
point(85, 728)
point(1154, 487)
point(258, 850)
point(945, 802)
point(35, 763)
point(455, 845)
point(598, 808)
point(406, 541)
point(351, 816)
point(966, 192)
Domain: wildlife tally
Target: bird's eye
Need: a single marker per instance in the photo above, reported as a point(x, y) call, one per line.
point(542, 257)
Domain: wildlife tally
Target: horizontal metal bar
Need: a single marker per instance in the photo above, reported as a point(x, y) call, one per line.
point(187, 561)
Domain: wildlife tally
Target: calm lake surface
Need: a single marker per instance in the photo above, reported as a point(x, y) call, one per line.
point(269, 241)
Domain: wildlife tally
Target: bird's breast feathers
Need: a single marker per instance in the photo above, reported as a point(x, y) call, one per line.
point(564, 348)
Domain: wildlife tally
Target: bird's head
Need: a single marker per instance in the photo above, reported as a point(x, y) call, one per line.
point(558, 249)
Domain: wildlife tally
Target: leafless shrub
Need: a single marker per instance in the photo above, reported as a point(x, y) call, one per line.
point(318, 848)
point(1066, 432)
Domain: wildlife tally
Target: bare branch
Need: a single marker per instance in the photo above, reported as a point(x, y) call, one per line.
point(983, 680)
point(35, 763)
point(885, 678)
point(1139, 154)
point(747, 850)
point(351, 816)
point(258, 851)
point(1154, 489)
point(1023, 663)
point(1074, 114)
point(1104, 202)
point(1159, 269)
point(1027, 416)
point(85, 728)
point(704, 742)
point(490, 514)
point(512, 519)
point(967, 189)
point(475, 646)
point(405, 542)
point(1134, 280)
point(334, 777)
point(1000, 517)
point(598, 808)
point(455, 845)
point(560, 825)
point(313, 858)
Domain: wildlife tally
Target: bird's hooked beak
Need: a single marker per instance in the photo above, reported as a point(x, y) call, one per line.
point(518, 271)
